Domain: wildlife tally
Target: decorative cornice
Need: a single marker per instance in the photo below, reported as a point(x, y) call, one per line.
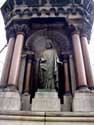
point(26, 10)
point(58, 9)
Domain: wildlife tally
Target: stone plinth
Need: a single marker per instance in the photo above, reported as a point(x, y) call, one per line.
point(10, 101)
point(67, 106)
point(25, 100)
point(83, 102)
point(46, 101)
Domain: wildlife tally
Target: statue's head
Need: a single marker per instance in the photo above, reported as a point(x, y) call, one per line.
point(49, 44)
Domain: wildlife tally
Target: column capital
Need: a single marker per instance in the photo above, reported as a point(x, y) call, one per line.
point(22, 29)
point(74, 29)
point(65, 56)
point(10, 32)
point(84, 31)
point(30, 56)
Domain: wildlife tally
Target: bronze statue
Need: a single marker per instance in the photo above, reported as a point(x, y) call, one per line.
point(48, 67)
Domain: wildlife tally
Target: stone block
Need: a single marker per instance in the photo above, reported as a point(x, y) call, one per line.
point(67, 106)
point(10, 101)
point(25, 100)
point(83, 102)
point(46, 101)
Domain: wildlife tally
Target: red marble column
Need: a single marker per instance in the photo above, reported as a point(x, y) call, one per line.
point(22, 73)
point(66, 77)
point(87, 62)
point(6, 67)
point(72, 73)
point(15, 65)
point(79, 62)
point(28, 74)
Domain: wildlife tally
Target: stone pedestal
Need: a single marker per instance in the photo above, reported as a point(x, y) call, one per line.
point(10, 101)
point(26, 106)
point(67, 106)
point(46, 101)
point(83, 102)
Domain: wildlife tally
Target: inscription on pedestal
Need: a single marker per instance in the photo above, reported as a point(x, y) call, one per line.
point(46, 101)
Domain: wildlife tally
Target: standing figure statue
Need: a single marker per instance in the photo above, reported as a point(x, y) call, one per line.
point(48, 67)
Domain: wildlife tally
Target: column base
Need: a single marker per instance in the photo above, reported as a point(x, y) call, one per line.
point(25, 100)
point(67, 106)
point(91, 88)
point(10, 100)
point(83, 101)
point(11, 88)
point(82, 89)
point(46, 101)
point(2, 88)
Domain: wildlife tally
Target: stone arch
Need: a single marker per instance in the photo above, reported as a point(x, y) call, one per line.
point(36, 42)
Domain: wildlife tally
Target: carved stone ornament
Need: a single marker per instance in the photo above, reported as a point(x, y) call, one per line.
point(29, 9)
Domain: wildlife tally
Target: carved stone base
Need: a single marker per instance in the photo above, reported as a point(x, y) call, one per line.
point(83, 102)
point(10, 101)
point(26, 106)
point(46, 101)
point(67, 106)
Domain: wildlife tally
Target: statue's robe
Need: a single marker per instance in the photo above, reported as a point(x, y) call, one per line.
point(49, 69)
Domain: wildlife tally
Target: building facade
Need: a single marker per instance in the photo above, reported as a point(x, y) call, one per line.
point(47, 76)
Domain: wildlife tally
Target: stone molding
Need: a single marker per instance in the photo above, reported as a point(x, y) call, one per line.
point(19, 117)
point(72, 7)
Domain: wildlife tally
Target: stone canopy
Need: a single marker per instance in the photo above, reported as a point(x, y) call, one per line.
point(16, 11)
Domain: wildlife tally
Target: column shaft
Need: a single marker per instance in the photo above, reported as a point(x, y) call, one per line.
point(79, 63)
point(28, 74)
point(72, 73)
point(66, 77)
point(87, 62)
point(6, 67)
point(14, 70)
point(22, 73)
